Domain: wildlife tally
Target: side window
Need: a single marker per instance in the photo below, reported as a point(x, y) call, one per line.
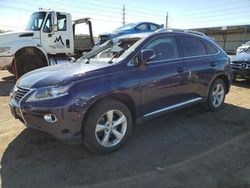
point(210, 48)
point(142, 27)
point(165, 48)
point(48, 25)
point(153, 27)
point(192, 46)
point(61, 22)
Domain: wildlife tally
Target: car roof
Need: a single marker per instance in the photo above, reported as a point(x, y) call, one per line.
point(161, 31)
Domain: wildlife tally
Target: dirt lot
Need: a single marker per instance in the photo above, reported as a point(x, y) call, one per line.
point(186, 148)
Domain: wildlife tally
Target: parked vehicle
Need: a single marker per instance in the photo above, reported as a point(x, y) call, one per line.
point(130, 28)
point(49, 39)
point(99, 98)
point(241, 65)
point(243, 47)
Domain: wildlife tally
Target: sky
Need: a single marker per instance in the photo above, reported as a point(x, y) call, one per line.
point(106, 15)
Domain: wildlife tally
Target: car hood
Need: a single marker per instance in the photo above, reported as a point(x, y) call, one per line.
point(59, 74)
point(243, 56)
point(7, 37)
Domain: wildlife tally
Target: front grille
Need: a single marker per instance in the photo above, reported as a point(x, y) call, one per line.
point(19, 93)
point(240, 65)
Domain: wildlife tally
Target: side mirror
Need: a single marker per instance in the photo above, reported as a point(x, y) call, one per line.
point(54, 21)
point(147, 55)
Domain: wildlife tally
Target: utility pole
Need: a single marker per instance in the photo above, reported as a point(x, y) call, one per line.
point(167, 20)
point(123, 15)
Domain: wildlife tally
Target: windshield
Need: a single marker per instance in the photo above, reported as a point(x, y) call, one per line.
point(126, 27)
point(36, 21)
point(247, 43)
point(112, 51)
point(131, 49)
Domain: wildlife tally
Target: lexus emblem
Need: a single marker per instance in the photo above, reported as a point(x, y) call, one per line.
point(244, 65)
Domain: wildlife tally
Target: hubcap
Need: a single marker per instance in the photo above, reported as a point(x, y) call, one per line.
point(218, 95)
point(111, 128)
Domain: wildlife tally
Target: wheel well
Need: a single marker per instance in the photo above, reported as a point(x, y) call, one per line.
point(123, 98)
point(226, 81)
point(32, 51)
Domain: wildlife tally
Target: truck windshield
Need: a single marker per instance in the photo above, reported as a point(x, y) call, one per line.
point(36, 21)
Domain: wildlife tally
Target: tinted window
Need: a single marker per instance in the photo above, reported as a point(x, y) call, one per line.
point(142, 27)
point(61, 22)
point(164, 47)
point(210, 48)
point(192, 46)
point(153, 27)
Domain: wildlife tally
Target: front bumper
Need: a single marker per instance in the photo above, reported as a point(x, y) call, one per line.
point(5, 61)
point(66, 128)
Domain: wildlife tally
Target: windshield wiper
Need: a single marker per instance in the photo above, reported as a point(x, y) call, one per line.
point(117, 50)
point(111, 60)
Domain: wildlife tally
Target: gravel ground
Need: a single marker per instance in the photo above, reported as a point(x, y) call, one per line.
point(187, 148)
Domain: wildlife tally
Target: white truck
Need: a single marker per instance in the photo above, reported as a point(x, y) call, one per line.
point(49, 39)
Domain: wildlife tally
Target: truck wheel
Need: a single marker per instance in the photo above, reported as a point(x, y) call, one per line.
point(11, 68)
point(26, 63)
point(107, 126)
point(216, 95)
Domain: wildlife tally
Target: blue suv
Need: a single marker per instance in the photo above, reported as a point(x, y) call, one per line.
point(130, 28)
point(100, 98)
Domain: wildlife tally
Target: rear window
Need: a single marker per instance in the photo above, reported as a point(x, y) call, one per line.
point(192, 46)
point(211, 49)
point(153, 27)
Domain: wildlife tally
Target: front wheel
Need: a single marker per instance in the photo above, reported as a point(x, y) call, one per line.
point(216, 95)
point(107, 126)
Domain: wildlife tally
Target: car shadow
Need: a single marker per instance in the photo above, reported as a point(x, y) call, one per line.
point(6, 85)
point(242, 83)
point(35, 159)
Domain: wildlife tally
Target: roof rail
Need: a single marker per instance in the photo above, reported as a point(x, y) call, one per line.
point(181, 30)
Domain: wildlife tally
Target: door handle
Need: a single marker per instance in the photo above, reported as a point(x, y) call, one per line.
point(180, 70)
point(213, 64)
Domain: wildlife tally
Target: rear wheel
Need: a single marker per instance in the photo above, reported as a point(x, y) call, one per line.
point(216, 95)
point(107, 126)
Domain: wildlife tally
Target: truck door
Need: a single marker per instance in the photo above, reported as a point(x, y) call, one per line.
point(59, 41)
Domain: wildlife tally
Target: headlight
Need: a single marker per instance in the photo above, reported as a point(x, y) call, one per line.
point(47, 93)
point(4, 49)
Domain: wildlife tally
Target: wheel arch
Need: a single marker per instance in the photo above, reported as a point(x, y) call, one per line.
point(121, 97)
point(33, 50)
point(224, 78)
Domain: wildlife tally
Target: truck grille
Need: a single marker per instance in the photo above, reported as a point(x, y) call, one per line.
point(19, 93)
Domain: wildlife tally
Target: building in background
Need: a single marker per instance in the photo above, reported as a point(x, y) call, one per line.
point(228, 37)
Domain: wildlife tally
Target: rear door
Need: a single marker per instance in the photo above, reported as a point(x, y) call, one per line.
point(164, 79)
point(200, 62)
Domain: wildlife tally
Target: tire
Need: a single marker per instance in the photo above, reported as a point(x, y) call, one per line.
point(216, 95)
point(26, 63)
point(11, 68)
point(107, 126)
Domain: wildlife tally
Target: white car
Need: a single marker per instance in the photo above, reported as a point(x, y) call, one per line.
point(243, 47)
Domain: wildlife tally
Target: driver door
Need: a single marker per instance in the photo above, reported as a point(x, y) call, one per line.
point(164, 79)
point(56, 41)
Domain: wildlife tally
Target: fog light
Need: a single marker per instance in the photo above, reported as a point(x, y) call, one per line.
point(51, 118)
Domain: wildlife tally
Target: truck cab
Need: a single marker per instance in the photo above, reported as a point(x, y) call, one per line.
point(48, 39)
